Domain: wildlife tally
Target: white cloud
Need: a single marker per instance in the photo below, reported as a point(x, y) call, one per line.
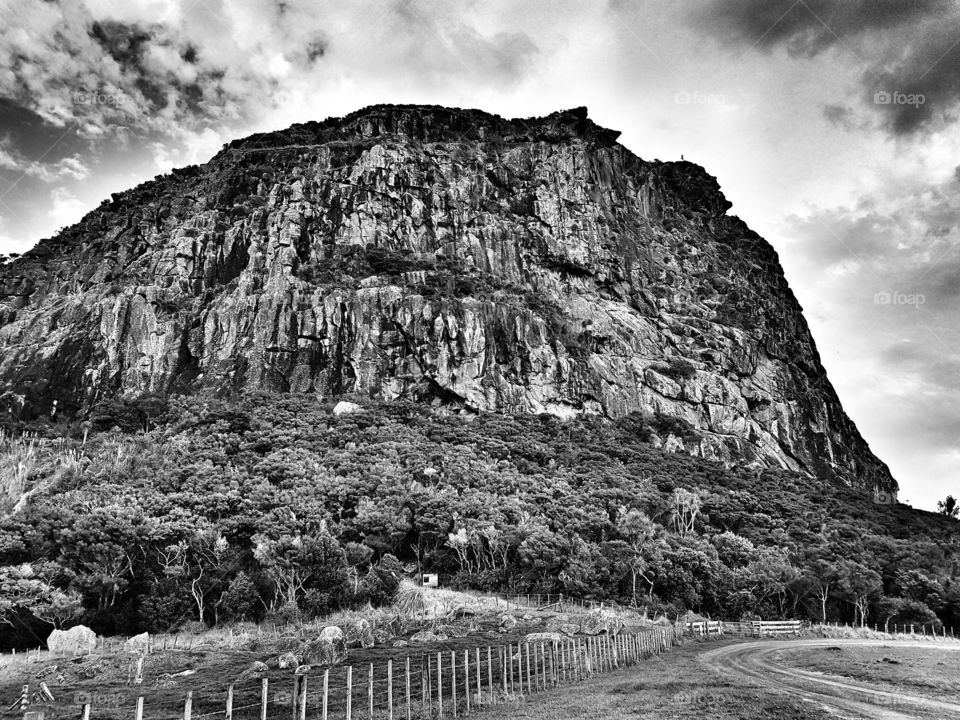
point(65, 208)
point(69, 167)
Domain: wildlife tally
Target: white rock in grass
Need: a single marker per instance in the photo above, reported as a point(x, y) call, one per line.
point(346, 408)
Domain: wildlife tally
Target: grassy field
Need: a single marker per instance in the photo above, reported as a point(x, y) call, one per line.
point(933, 672)
point(675, 686)
point(207, 663)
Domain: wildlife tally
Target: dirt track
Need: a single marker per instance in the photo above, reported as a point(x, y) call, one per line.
point(753, 661)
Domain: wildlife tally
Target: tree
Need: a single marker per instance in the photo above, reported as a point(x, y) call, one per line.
point(23, 590)
point(949, 507)
point(239, 601)
point(686, 507)
point(357, 555)
point(860, 584)
point(638, 531)
point(300, 563)
point(822, 578)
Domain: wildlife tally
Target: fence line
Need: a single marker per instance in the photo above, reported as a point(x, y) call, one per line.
point(767, 628)
point(445, 683)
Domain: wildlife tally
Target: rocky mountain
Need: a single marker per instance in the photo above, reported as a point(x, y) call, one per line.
point(445, 255)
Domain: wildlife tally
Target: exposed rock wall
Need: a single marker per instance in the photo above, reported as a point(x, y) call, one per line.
point(440, 254)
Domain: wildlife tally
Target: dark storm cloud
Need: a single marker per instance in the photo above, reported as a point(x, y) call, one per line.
point(909, 51)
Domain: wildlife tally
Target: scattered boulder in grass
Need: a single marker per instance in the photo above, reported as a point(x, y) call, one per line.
point(288, 660)
point(346, 408)
point(302, 670)
point(256, 671)
point(380, 637)
point(615, 624)
point(593, 624)
point(331, 633)
point(426, 636)
point(454, 631)
point(139, 644)
point(544, 637)
point(362, 633)
point(78, 640)
point(329, 648)
point(569, 629)
point(400, 643)
point(508, 622)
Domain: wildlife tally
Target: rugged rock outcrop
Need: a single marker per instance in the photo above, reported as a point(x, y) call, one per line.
point(443, 255)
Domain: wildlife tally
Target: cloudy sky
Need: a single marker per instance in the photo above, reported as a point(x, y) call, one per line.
point(831, 125)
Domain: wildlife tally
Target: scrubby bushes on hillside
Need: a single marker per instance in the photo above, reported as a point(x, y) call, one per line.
point(232, 510)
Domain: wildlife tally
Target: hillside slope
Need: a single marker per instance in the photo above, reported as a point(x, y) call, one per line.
point(440, 255)
point(274, 506)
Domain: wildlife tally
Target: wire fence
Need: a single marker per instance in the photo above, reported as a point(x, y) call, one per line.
point(445, 683)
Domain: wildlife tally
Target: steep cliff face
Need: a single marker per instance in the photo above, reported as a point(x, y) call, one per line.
point(441, 254)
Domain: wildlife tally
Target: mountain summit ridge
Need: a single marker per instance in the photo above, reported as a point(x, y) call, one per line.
point(443, 255)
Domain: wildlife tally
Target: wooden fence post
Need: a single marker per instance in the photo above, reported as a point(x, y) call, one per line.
point(370, 688)
point(139, 710)
point(326, 693)
point(303, 698)
point(526, 647)
point(390, 689)
point(229, 710)
point(516, 686)
point(295, 698)
point(453, 681)
point(490, 673)
point(555, 663)
point(263, 699)
point(407, 687)
point(424, 695)
point(349, 692)
point(188, 706)
point(479, 670)
point(540, 666)
point(440, 683)
point(466, 682)
point(86, 712)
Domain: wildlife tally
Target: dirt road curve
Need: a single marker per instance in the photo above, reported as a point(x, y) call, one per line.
point(840, 696)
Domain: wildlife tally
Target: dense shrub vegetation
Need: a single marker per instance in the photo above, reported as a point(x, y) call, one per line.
point(153, 514)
